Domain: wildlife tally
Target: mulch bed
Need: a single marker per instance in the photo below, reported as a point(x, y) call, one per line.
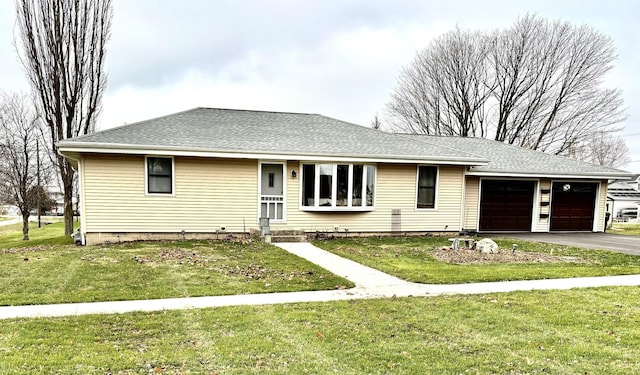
point(465, 256)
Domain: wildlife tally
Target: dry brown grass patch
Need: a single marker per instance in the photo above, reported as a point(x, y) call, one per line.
point(465, 256)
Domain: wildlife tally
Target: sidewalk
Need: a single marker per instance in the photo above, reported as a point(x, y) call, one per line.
point(370, 283)
point(10, 221)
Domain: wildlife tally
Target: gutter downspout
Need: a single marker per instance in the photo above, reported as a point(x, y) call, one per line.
point(463, 200)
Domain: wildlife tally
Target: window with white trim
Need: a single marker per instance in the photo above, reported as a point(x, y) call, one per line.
point(426, 189)
point(338, 185)
point(159, 175)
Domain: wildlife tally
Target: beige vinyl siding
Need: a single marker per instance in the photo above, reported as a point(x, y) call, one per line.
point(395, 190)
point(542, 224)
point(472, 203)
point(601, 207)
point(209, 194)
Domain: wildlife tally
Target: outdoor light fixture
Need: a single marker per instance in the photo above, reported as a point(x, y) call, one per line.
point(293, 174)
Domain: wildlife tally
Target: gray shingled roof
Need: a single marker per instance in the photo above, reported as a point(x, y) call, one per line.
point(237, 131)
point(301, 134)
point(623, 191)
point(509, 159)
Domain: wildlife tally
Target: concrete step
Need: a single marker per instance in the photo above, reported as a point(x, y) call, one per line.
point(285, 238)
point(287, 233)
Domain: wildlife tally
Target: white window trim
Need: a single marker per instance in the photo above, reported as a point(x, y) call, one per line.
point(436, 192)
point(334, 188)
point(285, 177)
point(146, 177)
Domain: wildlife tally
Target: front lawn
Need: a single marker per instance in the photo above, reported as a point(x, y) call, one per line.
point(628, 229)
point(587, 331)
point(50, 270)
point(47, 234)
point(413, 259)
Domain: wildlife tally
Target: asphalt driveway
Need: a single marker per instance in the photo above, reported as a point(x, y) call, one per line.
point(605, 241)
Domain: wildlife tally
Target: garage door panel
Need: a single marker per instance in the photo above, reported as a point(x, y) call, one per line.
point(573, 206)
point(506, 205)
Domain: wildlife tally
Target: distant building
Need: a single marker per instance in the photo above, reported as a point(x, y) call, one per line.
point(58, 208)
point(623, 200)
point(9, 210)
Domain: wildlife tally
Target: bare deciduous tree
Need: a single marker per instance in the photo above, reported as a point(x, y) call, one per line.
point(63, 52)
point(536, 84)
point(376, 123)
point(20, 129)
point(603, 148)
point(444, 90)
point(548, 77)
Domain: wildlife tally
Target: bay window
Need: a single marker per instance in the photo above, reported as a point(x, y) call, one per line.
point(338, 185)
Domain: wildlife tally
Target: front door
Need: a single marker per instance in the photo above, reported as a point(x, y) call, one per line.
point(272, 191)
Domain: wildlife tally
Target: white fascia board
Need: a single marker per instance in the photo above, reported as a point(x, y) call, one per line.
point(591, 176)
point(137, 150)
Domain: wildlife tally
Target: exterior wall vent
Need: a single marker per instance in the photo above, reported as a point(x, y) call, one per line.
point(396, 220)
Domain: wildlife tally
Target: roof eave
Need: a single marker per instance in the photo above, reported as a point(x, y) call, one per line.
point(586, 175)
point(72, 149)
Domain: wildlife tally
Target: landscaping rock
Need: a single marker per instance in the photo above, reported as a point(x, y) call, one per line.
point(487, 246)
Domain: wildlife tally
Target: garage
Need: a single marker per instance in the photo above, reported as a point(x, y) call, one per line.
point(573, 206)
point(506, 205)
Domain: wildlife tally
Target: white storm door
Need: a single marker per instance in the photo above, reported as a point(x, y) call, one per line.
point(272, 191)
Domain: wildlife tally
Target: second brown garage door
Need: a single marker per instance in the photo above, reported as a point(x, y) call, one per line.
point(572, 206)
point(506, 205)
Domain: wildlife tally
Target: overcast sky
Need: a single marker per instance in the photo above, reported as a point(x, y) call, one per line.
point(339, 58)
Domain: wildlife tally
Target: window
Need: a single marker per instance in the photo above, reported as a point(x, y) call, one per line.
point(427, 177)
point(342, 181)
point(356, 194)
point(370, 184)
point(159, 175)
point(272, 179)
point(326, 184)
point(308, 184)
point(340, 186)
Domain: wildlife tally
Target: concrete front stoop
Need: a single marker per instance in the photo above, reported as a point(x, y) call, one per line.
point(285, 236)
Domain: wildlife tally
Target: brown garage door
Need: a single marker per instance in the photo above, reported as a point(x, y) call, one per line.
point(506, 205)
point(572, 206)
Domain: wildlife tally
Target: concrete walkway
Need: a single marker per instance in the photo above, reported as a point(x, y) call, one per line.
point(370, 283)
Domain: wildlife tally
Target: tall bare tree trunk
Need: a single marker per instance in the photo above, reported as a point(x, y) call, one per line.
point(63, 52)
point(25, 226)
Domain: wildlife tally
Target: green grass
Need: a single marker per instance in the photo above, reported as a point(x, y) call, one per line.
point(410, 258)
point(51, 234)
point(550, 332)
point(37, 272)
point(628, 229)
